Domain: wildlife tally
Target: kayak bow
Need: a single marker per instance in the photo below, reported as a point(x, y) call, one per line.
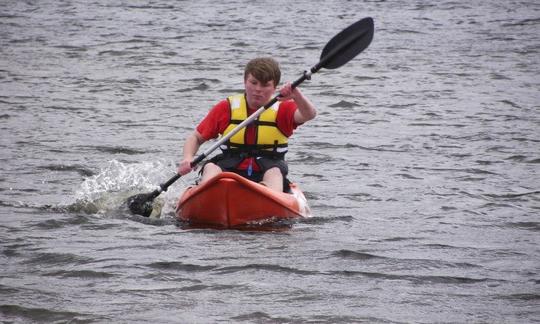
point(229, 200)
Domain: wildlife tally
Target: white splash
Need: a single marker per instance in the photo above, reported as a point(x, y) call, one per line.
point(114, 183)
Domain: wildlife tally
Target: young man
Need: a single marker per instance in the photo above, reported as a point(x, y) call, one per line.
point(256, 152)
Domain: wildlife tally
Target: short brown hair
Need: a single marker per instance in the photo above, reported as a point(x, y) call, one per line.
point(264, 69)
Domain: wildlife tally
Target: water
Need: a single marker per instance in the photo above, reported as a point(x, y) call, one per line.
point(422, 168)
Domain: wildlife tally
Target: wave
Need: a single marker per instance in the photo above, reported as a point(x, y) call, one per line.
point(407, 262)
point(520, 297)
point(264, 267)
point(44, 315)
point(179, 266)
point(416, 279)
point(51, 224)
point(68, 168)
point(80, 274)
point(531, 226)
point(348, 254)
point(262, 317)
point(344, 104)
point(118, 150)
point(314, 220)
point(58, 259)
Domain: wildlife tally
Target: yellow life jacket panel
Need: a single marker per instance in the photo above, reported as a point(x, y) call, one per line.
point(269, 138)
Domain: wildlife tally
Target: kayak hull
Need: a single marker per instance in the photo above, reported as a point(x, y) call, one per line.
point(229, 200)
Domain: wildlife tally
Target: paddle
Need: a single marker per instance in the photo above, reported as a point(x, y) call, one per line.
point(342, 48)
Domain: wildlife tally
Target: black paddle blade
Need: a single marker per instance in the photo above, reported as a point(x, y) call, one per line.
point(347, 44)
point(141, 204)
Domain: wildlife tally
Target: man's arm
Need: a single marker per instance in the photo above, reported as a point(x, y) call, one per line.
point(306, 110)
point(191, 146)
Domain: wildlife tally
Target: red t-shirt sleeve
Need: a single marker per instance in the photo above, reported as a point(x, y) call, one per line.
point(216, 121)
point(285, 117)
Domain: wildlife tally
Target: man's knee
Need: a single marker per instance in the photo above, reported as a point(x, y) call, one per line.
point(273, 179)
point(274, 173)
point(210, 170)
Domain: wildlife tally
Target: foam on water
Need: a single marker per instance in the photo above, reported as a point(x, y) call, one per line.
point(109, 189)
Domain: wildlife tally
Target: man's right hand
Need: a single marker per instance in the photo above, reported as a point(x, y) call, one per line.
point(184, 167)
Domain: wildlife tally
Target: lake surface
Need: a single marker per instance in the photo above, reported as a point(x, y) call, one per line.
point(422, 168)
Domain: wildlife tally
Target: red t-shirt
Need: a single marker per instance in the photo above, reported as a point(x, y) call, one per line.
point(217, 120)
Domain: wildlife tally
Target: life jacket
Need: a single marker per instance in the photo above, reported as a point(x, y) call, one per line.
point(270, 141)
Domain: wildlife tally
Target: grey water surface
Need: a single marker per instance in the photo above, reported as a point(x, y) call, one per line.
point(422, 168)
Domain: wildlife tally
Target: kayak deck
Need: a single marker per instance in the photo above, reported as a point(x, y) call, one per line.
point(229, 200)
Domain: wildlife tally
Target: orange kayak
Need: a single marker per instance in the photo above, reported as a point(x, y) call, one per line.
point(230, 200)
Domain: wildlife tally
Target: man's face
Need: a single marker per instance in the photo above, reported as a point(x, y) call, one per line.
point(258, 93)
